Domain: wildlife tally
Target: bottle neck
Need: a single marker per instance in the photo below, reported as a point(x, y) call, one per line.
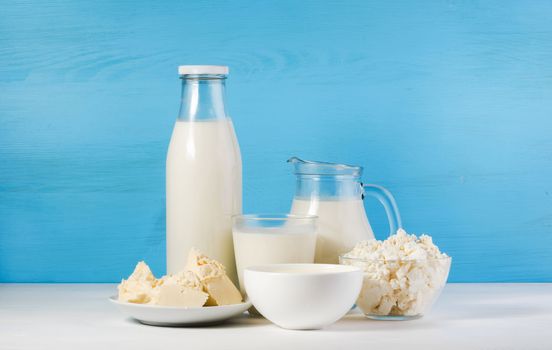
point(328, 187)
point(202, 97)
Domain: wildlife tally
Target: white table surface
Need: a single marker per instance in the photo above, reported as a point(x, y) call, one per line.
point(467, 316)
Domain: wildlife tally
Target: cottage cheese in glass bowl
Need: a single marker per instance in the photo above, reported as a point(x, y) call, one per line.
point(403, 275)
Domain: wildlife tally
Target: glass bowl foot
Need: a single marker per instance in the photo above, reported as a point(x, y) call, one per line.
point(393, 317)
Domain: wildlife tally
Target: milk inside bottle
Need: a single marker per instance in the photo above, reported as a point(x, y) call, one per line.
point(204, 172)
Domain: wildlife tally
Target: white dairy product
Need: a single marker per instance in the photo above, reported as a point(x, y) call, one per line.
point(181, 289)
point(402, 275)
point(277, 247)
point(341, 224)
point(204, 185)
point(176, 295)
point(213, 278)
point(139, 285)
point(203, 283)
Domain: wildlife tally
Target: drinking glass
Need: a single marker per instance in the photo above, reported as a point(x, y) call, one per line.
point(272, 239)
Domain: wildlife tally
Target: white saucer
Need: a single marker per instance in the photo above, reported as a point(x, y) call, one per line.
point(180, 316)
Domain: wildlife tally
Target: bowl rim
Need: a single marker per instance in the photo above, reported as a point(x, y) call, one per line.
point(273, 217)
point(303, 269)
point(441, 258)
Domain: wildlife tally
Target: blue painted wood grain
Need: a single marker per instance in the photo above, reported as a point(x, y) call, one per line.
point(447, 103)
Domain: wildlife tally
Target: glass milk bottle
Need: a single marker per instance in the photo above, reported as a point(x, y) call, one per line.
point(204, 172)
point(335, 193)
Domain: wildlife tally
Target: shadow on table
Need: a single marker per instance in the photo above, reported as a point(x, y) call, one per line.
point(237, 322)
point(455, 311)
point(359, 323)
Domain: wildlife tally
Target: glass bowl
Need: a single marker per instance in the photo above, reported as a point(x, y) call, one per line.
point(399, 289)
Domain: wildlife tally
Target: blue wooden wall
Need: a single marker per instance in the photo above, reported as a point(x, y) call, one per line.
point(447, 103)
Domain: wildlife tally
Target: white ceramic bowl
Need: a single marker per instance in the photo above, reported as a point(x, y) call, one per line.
point(303, 296)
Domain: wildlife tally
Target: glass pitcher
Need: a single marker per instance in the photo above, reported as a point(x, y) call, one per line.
point(335, 193)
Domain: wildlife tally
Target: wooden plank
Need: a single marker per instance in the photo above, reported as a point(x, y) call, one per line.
point(447, 104)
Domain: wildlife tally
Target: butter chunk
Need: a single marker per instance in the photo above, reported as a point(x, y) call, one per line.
point(181, 289)
point(214, 280)
point(176, 295)
point(184, 278)
point(139, 285)
point(221, 291)
point(203, 266)
point(203, 282)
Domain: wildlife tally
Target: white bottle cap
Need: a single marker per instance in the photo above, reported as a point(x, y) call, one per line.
point(184, 70)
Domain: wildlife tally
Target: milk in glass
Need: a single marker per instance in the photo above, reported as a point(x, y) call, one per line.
point(273, 239)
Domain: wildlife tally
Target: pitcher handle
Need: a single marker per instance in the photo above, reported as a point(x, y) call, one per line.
point(388, 201)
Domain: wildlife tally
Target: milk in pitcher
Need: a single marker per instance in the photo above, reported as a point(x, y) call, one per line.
point(335, 193)
point(341, 225)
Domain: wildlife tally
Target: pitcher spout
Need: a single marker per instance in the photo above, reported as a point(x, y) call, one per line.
point(295, 160)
